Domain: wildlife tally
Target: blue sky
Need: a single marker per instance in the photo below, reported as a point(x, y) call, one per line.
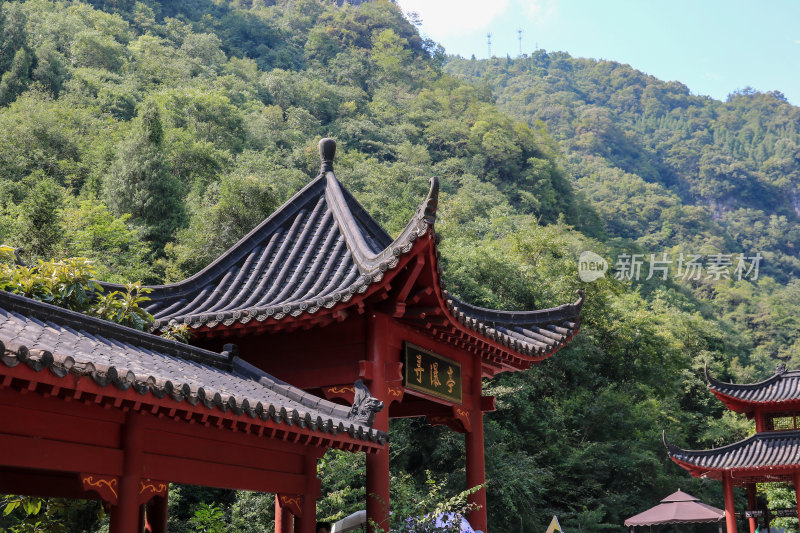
point(713, 46)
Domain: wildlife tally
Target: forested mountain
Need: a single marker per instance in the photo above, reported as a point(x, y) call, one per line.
point(664, 167)
point(149, 136)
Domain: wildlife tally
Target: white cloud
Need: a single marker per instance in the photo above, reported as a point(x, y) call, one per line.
point(541, 10)
point(453, 17)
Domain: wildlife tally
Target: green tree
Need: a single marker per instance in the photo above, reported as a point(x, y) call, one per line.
point(116, 248)
point(41, 231)
point(139, 182)
point(16, 79)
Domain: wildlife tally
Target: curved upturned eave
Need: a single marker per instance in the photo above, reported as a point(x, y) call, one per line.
point(526, 352)
point(715, 383)
point(735, 396)
point(673, 449)
point(367, 261)
point(485, 325)
point(693, 469)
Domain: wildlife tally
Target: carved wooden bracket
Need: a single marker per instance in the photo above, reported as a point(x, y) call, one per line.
point(107, 487)
point(394, 393)
point(460, 422)
point(462, 415)
point(448, 421)
point(292, 502)
point(345, 392)
point(151, 487)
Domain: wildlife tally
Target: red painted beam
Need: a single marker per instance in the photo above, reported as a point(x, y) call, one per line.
point(230, 453)
point(43, 424)
point(42, 484)
point(417, 408)
point(31, 452)
point(192, 472)
point(66, 405)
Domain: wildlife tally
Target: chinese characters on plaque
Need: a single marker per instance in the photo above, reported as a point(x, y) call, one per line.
point(432, 374)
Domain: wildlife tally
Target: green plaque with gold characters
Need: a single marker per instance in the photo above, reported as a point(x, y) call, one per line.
point(432, 374)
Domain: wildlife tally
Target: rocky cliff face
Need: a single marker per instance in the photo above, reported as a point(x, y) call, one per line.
point(794, 195)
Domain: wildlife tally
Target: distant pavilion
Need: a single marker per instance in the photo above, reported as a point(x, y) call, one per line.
point(677, 508)
point(771, 455)
point(319, 295)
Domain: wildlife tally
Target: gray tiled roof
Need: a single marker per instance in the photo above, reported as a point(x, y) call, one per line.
point(63, 342)
point(319, 250)
point(783, 386)
point(773, 448)
point(299, 260)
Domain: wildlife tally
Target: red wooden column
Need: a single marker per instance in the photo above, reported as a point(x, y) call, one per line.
point(126, 515)
point(476, 462)
point(284, 521)
point(157, 514)
point(307, 521)
point(759, 422)
point(796, 482)
point(752, 503)
point(377, 347)
point(730, 508)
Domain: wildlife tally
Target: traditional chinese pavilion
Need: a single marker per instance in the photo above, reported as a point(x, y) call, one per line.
point(319, 295)
point(771, 455)
point(94, 410)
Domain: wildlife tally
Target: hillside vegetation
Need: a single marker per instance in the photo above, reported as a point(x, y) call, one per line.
point(149, 136)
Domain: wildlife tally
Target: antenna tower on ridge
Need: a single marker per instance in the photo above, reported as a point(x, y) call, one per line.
point(519, 35)
point(489, 43)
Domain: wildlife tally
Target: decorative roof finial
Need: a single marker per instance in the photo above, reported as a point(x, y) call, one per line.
point(780, 368)
point(365, 406)
point(327, 151)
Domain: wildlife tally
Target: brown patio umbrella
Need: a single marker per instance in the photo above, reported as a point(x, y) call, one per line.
point(677, 508)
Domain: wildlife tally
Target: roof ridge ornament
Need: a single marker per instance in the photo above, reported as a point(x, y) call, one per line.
point(431, 203)
point(671, 448)
point(365, 405)
point(780, 368)
point(327, 151)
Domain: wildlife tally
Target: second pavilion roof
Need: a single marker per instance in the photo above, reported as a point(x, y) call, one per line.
point(769, 450)
point(321, 251)
point(780, 388)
